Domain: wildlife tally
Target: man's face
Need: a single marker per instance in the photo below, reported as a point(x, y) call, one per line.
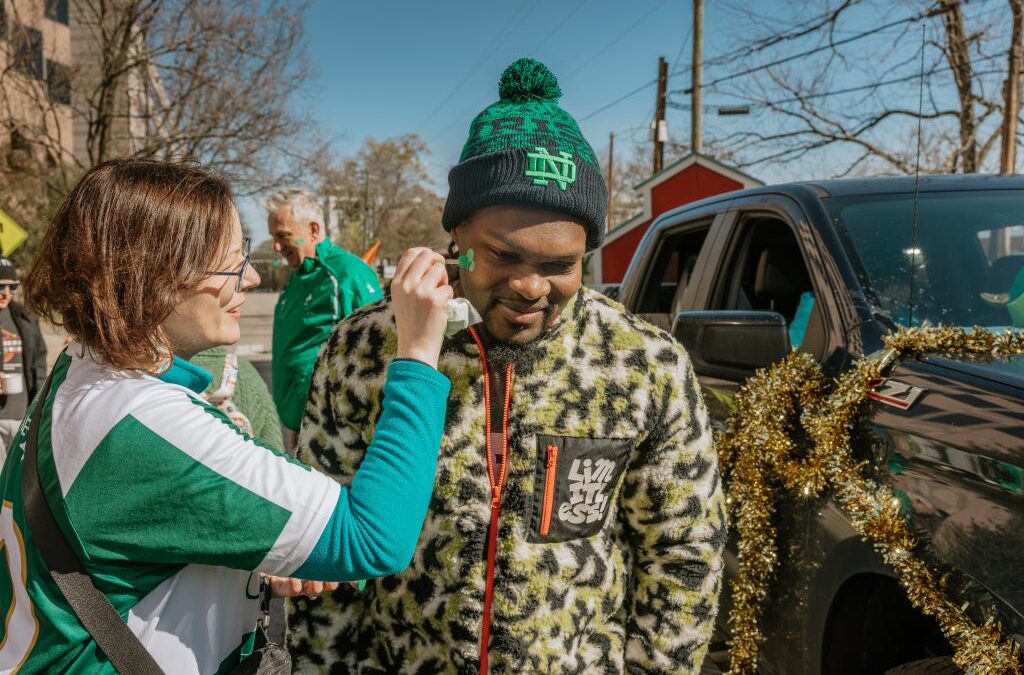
point(528, 265)
point(7, 289)
point(294, 240)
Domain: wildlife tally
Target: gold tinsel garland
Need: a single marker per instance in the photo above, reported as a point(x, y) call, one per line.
point(759, 459)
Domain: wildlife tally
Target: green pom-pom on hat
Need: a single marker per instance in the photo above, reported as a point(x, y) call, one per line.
point(528, 80)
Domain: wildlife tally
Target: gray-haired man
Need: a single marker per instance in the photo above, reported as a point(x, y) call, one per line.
point(326, 284)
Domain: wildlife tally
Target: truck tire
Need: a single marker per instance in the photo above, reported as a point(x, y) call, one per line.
point(941, 665)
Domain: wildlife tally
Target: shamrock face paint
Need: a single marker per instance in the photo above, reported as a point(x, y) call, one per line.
point(294, 239)
point(465, 262)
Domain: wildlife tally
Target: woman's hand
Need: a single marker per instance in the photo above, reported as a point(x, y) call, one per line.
point(419, 298)
point(284, 587)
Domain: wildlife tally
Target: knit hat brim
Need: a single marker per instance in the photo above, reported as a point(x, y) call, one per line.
point(500, 179)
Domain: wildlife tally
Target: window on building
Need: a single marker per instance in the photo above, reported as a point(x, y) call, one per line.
point(57, 10)
point(58, 82)
point(28, 51)
point(19, 143)
point(19, 151)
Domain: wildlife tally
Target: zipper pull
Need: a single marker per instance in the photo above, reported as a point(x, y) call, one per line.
point(549, 490)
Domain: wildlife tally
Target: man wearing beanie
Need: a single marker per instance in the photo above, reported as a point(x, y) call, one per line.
point(577, 524)
point(22, 357)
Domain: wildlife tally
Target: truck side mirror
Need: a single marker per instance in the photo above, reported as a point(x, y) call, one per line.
point(732, 344)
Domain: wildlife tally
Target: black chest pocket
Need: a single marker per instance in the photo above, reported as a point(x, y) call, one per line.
point(573, 488)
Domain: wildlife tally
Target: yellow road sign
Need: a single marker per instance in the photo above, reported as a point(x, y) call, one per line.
point(12, 235)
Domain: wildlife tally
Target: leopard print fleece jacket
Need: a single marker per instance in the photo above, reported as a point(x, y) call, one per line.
point(594, 547)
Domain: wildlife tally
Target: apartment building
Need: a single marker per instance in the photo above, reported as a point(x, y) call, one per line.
point(51, 53)
point(36, 118)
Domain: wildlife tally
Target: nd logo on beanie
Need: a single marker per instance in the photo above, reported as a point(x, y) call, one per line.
point(525, 150)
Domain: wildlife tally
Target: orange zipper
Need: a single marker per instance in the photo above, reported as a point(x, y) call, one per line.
point(549, 490)
point(497, 482)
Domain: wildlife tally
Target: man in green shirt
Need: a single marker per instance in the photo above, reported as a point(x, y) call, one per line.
point(326, 284)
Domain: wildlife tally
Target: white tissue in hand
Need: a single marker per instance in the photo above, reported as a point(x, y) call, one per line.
point(461, 315)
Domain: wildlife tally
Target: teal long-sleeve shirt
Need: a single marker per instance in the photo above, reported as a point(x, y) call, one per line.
point(376, 523)
point(318, 294)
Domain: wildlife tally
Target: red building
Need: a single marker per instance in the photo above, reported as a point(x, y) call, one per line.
point(689, 179)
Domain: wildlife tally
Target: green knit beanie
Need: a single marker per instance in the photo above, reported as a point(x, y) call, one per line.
point(525, 150)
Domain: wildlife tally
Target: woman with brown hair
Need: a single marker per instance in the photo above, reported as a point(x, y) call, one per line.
point(170, 508)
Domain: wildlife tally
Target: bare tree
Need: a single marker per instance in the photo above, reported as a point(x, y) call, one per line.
point(383, 194)
point(632, 167)
point(841, 89)
point(212, 81)
point(209, 80)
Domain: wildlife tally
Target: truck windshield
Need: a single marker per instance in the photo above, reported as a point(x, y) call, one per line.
point(967, 260)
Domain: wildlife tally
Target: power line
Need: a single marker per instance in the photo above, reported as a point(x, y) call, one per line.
point(832, 44)
point(476, 66)
point(557, 28)
point(614, 40)
point(551, 34)
point(853, 38)
point(682, 47)
point(796, 33)
point(835, 92)
point(619, 100)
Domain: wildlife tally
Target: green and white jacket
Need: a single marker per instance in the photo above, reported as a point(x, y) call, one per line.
point(596, 547)
point(173, 511)
point(321, 292)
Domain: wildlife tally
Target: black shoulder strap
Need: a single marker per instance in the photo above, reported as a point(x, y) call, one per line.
point(92, 608)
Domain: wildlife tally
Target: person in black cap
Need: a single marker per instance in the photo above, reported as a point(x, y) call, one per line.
point(22, 353)
point(578, 522)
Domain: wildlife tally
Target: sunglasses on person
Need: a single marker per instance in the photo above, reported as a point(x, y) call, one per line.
point(240, 273)
point(10, 286)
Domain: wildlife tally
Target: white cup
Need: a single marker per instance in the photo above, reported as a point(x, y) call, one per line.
point(14, 383)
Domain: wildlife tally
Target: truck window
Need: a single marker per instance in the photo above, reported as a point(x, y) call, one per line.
point(766, 272)
point(966, 260)
point(671, 274)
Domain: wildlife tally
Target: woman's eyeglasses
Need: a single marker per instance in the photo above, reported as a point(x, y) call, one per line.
point(240, 273)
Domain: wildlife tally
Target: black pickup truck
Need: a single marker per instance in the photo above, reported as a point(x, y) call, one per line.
point(830, 267)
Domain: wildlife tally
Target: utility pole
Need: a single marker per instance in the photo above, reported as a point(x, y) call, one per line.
point(999, 245)
point(660, 130)
point(1011, 90)
point(611, 178)
point(697, 75)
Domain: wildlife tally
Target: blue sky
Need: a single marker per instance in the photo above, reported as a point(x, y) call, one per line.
point(394, 66)
point(389, 67)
